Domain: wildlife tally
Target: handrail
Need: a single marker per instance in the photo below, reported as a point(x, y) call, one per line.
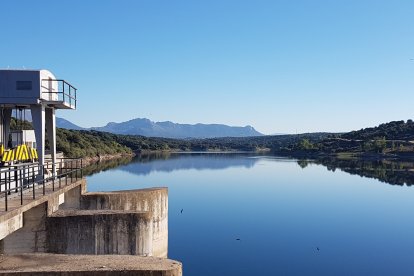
point(60, 87)
point(17, 179)
point(60, 80)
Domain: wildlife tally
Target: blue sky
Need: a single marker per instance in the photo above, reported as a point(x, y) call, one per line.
point(280, 66)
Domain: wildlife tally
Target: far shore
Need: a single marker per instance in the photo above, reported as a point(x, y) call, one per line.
point(297, 155)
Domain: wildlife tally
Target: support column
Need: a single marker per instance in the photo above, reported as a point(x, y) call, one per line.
point(5, 125)
point(38, 118)
point(51, 135)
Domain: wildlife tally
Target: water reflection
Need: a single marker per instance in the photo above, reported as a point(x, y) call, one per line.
point(198, 161)
point(105, 165)
point(387, 171)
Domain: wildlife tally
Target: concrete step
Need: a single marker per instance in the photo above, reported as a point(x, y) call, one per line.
point(76, 265)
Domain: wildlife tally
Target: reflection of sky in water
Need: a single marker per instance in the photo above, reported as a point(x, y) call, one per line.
point(280, 212)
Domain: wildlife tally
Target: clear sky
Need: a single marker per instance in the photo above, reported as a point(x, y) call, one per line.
point(280, 66)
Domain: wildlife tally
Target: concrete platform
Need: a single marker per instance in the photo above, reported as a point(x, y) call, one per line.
point(100, 232)
point(56, 264)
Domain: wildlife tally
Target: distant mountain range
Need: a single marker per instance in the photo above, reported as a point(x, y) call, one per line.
point(146, 127)
point(63, 123)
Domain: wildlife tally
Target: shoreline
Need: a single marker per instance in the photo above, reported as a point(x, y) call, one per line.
point(297, 155)
point(96, 159)
point(368, 156)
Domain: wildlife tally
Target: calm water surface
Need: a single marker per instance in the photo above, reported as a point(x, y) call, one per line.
point(281, 211)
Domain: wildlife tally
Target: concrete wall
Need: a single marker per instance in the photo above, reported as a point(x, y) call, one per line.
point(100, 232)
point(31, 237)
point(73, 198)
point(154, 200)
point(23, 229)
point(72, 221)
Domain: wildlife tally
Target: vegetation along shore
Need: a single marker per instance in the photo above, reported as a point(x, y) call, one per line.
point(389, 140)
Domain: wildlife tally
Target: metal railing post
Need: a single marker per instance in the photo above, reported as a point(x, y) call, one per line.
point(66, 173)
point(15, 179)
point(7, 192)
point(42, 167)
point(71, 171)
point(21, 187)
point(33, 182)
point(77, 167)
point(53, 176)
point(60, 173)
point(8, 189)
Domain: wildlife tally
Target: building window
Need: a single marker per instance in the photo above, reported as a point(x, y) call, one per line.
point(23, 85)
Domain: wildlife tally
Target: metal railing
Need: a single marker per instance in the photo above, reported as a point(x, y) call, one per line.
point(25, 179)
point(60, 91)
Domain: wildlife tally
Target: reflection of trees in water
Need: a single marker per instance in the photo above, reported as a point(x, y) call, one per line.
point(388, 171)
point(106, 165)
point(144, 164)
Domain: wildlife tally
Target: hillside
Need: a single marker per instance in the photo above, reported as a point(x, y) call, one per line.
point(396, 130)
point(389, 139)
point(81, 143)
point(394, 138)
point(75, 143)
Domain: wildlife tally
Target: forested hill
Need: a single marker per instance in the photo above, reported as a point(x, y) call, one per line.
point(389, 139)
point(394, 137)
point(397, 130)
point(82, 143)
point(74, 143)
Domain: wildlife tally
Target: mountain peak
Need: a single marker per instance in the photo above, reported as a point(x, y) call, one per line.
point(168, 129)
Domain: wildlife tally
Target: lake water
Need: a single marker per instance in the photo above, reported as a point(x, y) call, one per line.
point(282, 211)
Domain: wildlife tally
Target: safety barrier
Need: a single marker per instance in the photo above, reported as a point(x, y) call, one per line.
point(21, 153)
point(33, 176)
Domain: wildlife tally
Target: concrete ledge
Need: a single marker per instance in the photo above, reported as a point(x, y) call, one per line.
point(96, 213)
point(100, 232)
point(154, 200)
point(55, 264)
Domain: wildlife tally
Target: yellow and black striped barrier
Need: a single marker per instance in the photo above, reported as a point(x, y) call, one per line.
point(19, 153)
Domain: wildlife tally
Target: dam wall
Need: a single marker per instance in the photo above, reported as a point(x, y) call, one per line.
point(153, 200)
point(100, 232)
point(73, 221)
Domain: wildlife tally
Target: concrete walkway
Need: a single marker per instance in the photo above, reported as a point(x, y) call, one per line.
point(59, 264)
point(14, 199)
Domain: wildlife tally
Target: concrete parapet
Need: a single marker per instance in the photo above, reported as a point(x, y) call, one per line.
point(100, 232)
point(77, 265)
point(154, 200)
point(72, 221)
point(31, 237)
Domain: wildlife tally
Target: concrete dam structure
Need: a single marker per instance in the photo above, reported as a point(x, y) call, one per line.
point(73, 221)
